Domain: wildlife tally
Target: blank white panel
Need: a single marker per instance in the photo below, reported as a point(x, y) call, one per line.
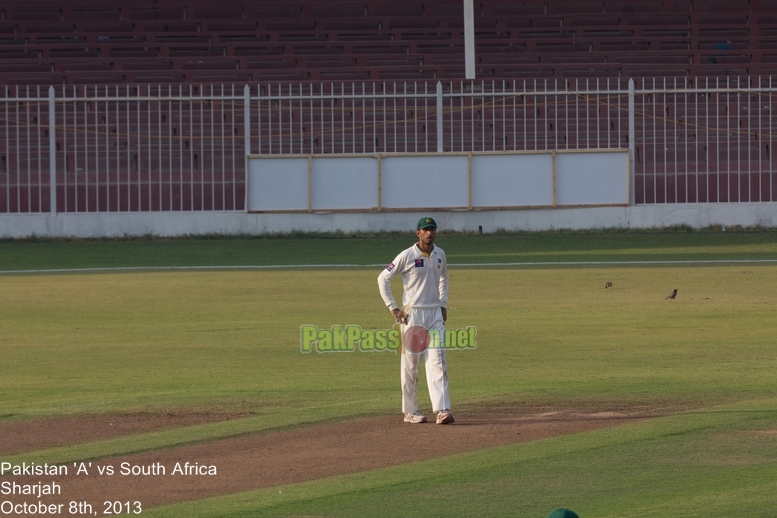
point(278, 184)
point(345, 183)
point(425, 181)
point(512, 180)
point(592, 178)
point(437, 181)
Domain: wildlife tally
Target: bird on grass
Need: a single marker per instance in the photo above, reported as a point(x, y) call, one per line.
point(607, 284)
point(672, 295)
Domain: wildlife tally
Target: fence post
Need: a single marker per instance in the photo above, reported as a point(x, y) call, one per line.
point(52, 152)
point(247, 118)
point(439, 117)
point(632, 145)
point(246, 137)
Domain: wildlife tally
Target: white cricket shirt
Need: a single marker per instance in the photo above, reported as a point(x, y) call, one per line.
point(424, 277)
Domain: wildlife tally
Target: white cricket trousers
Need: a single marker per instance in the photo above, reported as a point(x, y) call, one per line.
point(434, 358)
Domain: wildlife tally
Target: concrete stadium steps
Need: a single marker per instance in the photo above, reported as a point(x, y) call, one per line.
point(101, 44)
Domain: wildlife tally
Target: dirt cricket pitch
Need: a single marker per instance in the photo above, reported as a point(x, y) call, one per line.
point(284, 457)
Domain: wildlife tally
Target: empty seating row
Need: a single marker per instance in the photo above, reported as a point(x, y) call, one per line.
point(150, 10)
point(305, 40)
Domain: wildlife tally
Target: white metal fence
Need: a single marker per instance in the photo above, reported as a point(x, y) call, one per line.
point(183, 148)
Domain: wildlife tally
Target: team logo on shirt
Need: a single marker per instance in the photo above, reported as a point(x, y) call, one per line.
point(390, 267)
point(419, 263)
point(439, 263)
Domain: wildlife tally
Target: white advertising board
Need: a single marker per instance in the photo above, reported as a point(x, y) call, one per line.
point(452, 181)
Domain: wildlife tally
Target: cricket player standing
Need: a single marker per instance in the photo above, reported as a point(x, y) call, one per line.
point(424, 271)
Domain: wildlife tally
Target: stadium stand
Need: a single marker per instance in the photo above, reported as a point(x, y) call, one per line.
point(194, 41)
point(90, 44)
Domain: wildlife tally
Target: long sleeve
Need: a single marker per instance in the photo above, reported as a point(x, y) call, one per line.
point(443, 286)
point(384, 282)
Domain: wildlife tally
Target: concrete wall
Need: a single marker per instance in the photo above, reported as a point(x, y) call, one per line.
point(183, 223)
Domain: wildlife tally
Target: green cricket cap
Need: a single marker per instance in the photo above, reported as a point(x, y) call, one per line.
point(563, 513)
point(426, 222)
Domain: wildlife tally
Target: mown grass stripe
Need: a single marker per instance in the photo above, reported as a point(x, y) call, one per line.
point(380, 265)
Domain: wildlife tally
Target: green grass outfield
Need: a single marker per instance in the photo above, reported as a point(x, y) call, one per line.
point(101, 339)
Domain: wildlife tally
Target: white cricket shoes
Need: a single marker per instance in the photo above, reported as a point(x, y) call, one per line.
point(415, 418)
point(444, 417)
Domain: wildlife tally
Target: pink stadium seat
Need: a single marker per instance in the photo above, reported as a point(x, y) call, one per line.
point(391, 48)
point(507, 8)
point(412, 23)
point(285, 76)
point(659, 20)
point(21, 12)
point(35, 79)
point(271, 64)
point(231, 41)
point(96, 14)
point(408, 9)
point(520, 59)
point(194, 51)
point(291, 25)
point(722, 5)
point(601, 20)
point(407, 74)
point(171, 26)
point(606, 34)
point(348, 74)
point(96, 78)
point(68, 52)
point(318, 50)
point(58, 28)
point(218, 13)
point(628, 6)
point(277, 11)
point(624, 46)
point(21, 53)
point(738, 18)
point(318, 62)
point(86, 66)
point(209, 64)
point(23, 67)
point(352, 24)
point(232, 26)
point(669, 58)
point(136, 52)
point(269, 49)
point(210, 76)
point(152, 77)
point(528, 72)
point(167, 13)
point(439, 48)
point(110, 28)
point(338, 11)
point(578, 6)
